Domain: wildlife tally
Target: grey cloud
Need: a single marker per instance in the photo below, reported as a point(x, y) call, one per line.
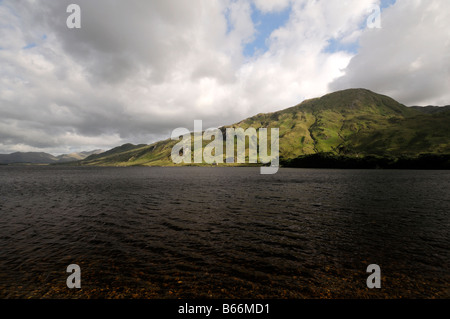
point(117, 37)
point(408, 57)
point(120, 42)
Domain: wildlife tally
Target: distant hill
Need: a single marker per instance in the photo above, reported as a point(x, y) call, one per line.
point(432, 109)
point(77, 156)
point(30, 157)
point(115, 151)
point(43, 158)
point(354, 123)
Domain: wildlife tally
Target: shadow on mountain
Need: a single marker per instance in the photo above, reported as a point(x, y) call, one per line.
point(329, 160)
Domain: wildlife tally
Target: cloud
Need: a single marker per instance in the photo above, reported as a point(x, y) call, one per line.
point(136, 70)
point(272, 5)
point(408, 58)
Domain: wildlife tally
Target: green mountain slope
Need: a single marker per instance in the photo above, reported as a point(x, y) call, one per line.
point(132, 155)
point(353, 123)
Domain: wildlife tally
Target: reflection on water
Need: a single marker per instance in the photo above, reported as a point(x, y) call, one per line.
point(223, 232)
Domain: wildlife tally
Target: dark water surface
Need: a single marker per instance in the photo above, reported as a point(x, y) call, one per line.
point(223, 232)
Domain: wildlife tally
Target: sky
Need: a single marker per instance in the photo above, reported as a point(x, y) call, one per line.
point(136, 70)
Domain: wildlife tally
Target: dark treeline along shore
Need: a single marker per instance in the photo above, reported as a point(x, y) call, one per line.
point(330, 160)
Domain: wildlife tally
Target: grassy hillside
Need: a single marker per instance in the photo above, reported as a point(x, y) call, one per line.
point(353, 123)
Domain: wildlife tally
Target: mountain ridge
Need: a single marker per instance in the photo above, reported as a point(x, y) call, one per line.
point(352, 123)
point(348, 124)
point(43, 158)
point(430, 109)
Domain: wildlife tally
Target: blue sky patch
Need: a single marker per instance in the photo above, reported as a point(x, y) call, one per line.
point(387, 3)
point(334, 45)
point(265, 24)
point(29, 46)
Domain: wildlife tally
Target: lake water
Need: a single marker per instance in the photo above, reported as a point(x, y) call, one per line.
point(223, 232)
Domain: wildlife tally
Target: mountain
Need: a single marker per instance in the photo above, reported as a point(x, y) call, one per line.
point(30, 157)
point(77, 156)
point(354, 123)
point(350, 128)
point(115, 151)
point(133, 155)
point(43, 158)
